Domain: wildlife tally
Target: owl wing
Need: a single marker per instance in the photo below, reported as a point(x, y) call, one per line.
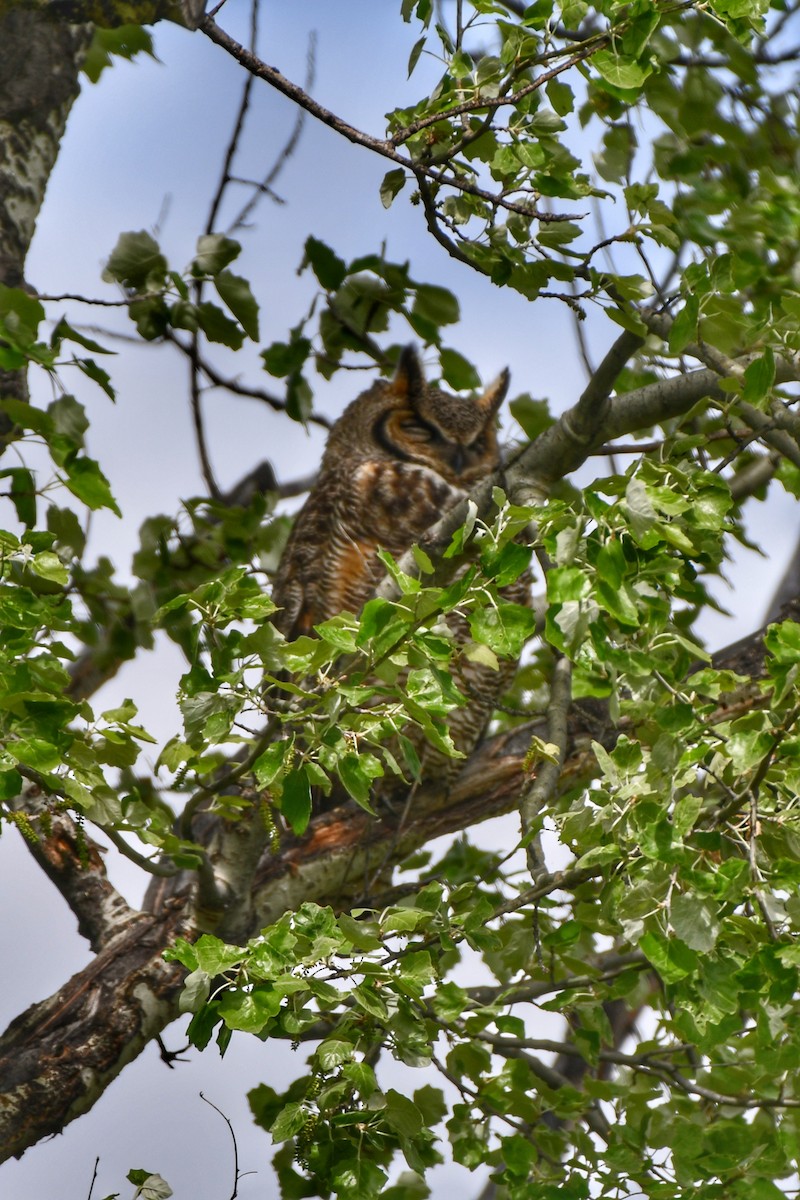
point(330, 563)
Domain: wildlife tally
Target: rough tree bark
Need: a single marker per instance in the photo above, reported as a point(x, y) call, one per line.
point(40, 62)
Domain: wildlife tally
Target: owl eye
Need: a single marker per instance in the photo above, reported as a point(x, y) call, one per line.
point(420, 431)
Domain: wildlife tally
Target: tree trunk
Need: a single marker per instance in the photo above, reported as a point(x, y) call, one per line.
point(40, 62)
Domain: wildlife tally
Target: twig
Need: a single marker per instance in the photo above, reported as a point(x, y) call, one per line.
point(197, 417)
point(595, 43)
point(382, 146)
point(236, 1175)
point(264, 188)
point(239, 389)
point(165, 870)
point(548, 773)
point(194, 341)
point(238, 126)
point(94, 1177)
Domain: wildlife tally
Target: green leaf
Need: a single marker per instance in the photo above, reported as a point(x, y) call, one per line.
point(64, 332)
point(504, 628)
point(695, 922)
point(86, 481)
point(217, 327)
point(326, 265)
point(124, 41)
point(22, 493)
point(285, 358)
point(533, 415)
point(402, 1114)
point(620, 71)
point(458, 371)
point(10, 784)
point(150, 315)
point(435, 304)
point(392, 183)
point(27, 416)
point(269, 765)
point(22, 313)
point(684, 327)
point(136, 262)
point(153, 1187)
point(69, 422)
point(357, 772)
point(92, 371)
point(290, 1120)
point(759, 377)
point(35, 752)
point(236, 293)
point(671, 958)
point(48, 565)
point(299, 398)
point(416, 50)
point(295, 802)
point(214, 251)
point(196, 990)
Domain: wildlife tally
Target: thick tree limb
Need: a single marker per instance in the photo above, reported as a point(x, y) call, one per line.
point(40, 62)
point(57, 1059)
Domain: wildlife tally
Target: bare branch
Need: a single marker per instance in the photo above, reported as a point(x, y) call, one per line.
point(548, 772)
point(382, 146)
point(238, 128)
point(237, 388)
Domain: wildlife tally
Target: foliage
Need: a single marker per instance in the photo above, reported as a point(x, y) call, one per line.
point(661, 939)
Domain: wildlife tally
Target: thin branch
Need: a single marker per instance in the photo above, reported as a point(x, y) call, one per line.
point(548, 772)
point(194, 342)
point(265, 187)
point(238, 127)
point(86, 300)
point(382, 146)
point(239, 389)
point(236, 1175)
point(665, 1071)
point(94, 1177)
point(480, 103)
point(161, 868)
point(616, 965)
point(197, 419)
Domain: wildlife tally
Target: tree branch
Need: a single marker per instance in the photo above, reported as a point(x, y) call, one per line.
point(73, 862)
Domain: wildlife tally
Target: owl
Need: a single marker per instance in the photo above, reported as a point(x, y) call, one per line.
point(401, 454)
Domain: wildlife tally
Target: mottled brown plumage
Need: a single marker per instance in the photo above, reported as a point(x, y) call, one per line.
point(400, 455)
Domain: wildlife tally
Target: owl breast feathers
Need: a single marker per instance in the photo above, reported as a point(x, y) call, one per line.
point(400, 455)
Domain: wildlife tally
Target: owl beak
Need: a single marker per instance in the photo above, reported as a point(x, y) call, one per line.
point(458, 459)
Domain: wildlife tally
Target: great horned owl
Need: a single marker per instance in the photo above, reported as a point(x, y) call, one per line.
point(401, 454)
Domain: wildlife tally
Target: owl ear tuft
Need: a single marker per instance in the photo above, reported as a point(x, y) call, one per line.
point(494, 395)
point(409, 378)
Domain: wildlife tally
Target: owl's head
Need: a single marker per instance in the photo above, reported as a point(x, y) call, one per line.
point(456, 436)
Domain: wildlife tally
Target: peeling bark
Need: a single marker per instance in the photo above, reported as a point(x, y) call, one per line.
point(57, 1059)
